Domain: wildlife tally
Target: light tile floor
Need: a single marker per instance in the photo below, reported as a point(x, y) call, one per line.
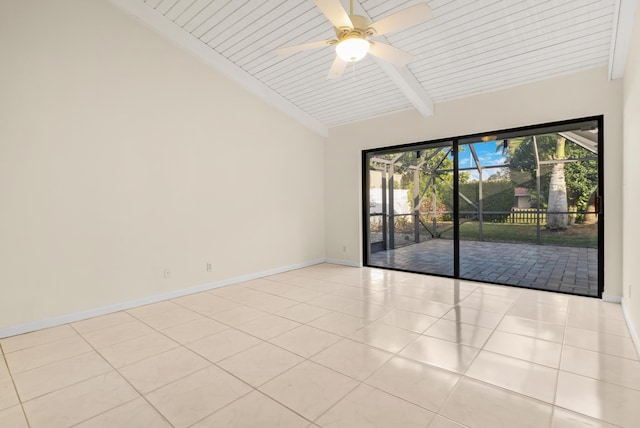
point(332, 346)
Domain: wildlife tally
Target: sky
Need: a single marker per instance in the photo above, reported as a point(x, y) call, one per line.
point(486, 154)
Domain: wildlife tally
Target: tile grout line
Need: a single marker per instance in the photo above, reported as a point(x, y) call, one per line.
point(55, 362)
point(35, 331)
point(557, 383)
point(553, 404)
point(463, 375)
point(493, 331)
point(216, 365)
point(15, 389)
point(141, 395)
point(396, 354)
point(253, 388)
point(256, 389)
point(50, 362)
point(305, 359)
point(358, 384)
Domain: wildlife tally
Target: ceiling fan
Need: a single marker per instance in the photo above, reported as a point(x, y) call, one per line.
point(354, 33)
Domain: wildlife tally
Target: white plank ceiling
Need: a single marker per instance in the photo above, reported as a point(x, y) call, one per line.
point(468, 47)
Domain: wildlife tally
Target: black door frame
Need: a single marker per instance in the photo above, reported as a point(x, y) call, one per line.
point(455, 141)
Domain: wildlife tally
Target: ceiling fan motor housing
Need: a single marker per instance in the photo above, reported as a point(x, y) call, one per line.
point(360, 26)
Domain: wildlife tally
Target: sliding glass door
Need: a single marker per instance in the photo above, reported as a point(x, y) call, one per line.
point(410, 200)
point(520, 207)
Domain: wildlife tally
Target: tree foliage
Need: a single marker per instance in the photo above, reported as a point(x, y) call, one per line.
point(433, 161)
point(581, 177)
point(498, 190)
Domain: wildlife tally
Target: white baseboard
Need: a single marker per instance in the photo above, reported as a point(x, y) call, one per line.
point(82, 315)
point(611, 298)
point(632, 329)
point(343, 262)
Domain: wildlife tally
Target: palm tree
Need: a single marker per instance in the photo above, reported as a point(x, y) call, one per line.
point(557, 207)
point(520, 153)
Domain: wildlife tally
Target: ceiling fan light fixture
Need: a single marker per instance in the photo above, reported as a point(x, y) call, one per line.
point(352, 49)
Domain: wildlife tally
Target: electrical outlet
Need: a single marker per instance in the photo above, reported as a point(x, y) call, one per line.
point(166, 274)
point(209, 267)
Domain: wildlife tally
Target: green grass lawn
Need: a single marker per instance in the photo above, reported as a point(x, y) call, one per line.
point(577, 235)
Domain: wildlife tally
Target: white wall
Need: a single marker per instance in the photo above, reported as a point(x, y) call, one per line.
point(571, 96)
point(631, 183)
point(120, 155)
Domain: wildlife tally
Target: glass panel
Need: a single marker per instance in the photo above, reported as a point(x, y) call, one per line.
point(410, 209)
point(528, 211)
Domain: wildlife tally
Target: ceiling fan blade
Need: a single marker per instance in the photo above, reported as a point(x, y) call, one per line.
point(304, 47)
point(335, 13)
point(404, 19)
point(337, 68)
point(390, 54)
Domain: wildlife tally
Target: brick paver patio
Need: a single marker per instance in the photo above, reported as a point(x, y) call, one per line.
point(546, 267)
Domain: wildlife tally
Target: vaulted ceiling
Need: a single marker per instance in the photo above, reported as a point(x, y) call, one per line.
point(468, 47)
